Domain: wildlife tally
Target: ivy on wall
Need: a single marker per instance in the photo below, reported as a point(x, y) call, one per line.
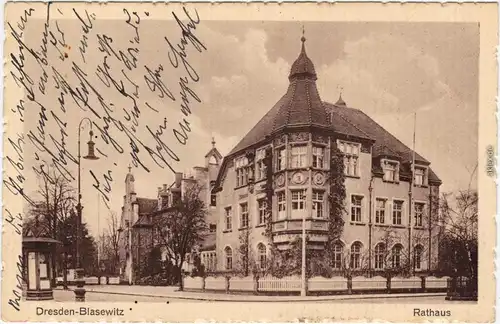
point(268, 162)
point(336, 198)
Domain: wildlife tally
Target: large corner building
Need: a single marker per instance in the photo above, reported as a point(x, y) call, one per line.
point(300, 129)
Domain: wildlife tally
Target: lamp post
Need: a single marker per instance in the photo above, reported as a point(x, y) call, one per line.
point(79, 290)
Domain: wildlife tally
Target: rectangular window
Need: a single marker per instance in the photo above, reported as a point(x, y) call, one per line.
point(356, 208)
point(351, 157)
point(380, 211)
point(281, 159)
point(228, 215)
point(391, 170)
point(318, 156)
point(337, 256)
point(419, 176)
point(298, 199)
point(262, 203)
point(244, 215)
point(318, 203)
point(298, 156)
point(419, 214)
point(397, 212)
point(241, 171)
point(298, 203)
point(418, 257)
point(260, 168)
point(281, 205)
point(213, 199)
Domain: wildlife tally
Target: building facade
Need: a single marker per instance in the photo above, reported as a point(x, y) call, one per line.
point(389, 214)
point(137, 236)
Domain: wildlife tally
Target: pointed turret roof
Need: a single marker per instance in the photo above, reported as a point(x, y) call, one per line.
point(214, 151)
point(303, 66)
point(129, 176)
point(340, 102)
point(300, 106)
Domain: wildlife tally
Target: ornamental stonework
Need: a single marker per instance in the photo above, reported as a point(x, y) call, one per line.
point(319, 179)
point(299, 137)
point(320, 139)
point(280, 180)
point(298, 178)
point(365, 148)
point(280, 140)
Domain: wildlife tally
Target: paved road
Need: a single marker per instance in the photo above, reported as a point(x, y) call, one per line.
point(66, 295)
point(61, 296)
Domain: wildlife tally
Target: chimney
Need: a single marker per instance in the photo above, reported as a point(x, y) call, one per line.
point(178, 179)
point(165, 187)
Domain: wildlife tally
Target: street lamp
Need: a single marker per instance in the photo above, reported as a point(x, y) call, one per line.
point(79, 290)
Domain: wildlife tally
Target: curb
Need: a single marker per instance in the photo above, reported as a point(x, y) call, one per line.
point(310, 299)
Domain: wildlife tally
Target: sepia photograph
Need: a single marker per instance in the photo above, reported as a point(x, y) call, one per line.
point(163, 155)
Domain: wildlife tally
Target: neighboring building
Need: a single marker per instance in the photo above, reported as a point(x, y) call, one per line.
point(301, 129)
point(138, 216)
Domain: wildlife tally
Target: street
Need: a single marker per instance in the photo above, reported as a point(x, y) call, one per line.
point(67, 295)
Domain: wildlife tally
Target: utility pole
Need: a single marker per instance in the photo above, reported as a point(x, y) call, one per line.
point(303, 286)
point(98, 233)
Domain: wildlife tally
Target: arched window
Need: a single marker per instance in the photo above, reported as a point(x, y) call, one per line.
point(229, 258)
point(380, 256)
point(338, 251)
point(417, 257)
point(396, 255)
point(356, 255)
point(262, 255)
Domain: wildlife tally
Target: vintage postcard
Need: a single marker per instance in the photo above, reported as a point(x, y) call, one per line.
point(249, 162)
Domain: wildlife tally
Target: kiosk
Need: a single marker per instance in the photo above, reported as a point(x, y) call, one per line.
point(37, 255)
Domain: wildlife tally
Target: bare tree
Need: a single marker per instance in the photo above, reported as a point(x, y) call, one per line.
point(182, 227)
point(246, 262)
point(459, 216)
point(55, 203)
point(111, 241)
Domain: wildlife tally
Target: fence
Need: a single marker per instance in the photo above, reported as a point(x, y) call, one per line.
point(462, 288)
point(436, 283)
point(316, 285)
point(216, 283)
point(91, 281)
point(407, 283)
point(242, 284)
point(363, 283)
point(273, 284)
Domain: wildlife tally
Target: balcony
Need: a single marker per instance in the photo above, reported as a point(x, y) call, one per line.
point(286, 230)
point(312, 224)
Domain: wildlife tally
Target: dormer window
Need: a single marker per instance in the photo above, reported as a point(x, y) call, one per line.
point(391, 170)
point(351, 157)
point(420, 178)
point(241, 171)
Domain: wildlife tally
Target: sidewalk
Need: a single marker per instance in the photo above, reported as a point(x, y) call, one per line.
point(171, 292)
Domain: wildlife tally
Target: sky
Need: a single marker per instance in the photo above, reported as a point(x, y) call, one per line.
point(387, 70)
